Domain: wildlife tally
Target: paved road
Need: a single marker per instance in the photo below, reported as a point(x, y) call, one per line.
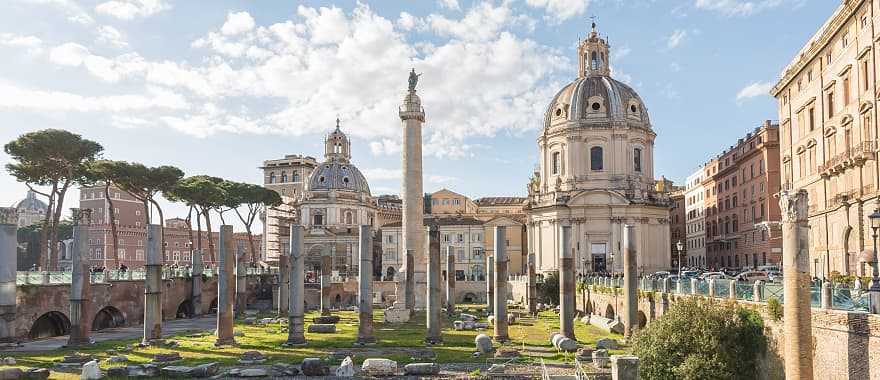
point(172, 327)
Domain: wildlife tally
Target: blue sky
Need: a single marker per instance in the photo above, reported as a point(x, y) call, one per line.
point(216, 87)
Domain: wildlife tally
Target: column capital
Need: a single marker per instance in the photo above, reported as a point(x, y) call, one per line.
point(794, 206)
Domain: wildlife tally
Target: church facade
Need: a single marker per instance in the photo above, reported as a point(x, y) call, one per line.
point(596, 173)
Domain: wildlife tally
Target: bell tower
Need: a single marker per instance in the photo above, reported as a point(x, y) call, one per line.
point(336, 146)
point(593, 56)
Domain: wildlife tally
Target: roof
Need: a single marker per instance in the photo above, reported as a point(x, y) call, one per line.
point(30, 203)
point(618, 101)
point(338, 175)
point(444, 221)
point(500, 201)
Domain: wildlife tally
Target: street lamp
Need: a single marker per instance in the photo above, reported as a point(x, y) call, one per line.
point(679, 246)
point(874, 290)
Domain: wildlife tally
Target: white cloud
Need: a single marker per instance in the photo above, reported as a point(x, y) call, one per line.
point(32, 44)
point(130, 9)
point(237, 23)
point(379, 174)
point(111, 36)
point(107, 69)
point(408, 22)
point(450, 4)
point(740, 7)
point(754, 89)
point(482, 22)
point(561, 10)
point(74, 12)
point(620, 52)
point(69, 54)
point(14, 97)
point(385, 147)
point(675, 39)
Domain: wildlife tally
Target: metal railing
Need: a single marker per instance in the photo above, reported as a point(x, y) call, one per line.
point(108, 275)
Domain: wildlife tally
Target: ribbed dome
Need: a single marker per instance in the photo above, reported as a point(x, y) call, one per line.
point(31, 203)
point(597, 97)
point(336, 175)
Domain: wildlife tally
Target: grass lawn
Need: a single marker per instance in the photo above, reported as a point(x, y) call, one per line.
point(395, 341)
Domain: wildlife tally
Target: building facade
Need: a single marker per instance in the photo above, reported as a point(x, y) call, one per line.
point(741, 212)
point(30, 210)
point(466, 235)
point(678, 227)
point(596, 173)
point(287, 176)
point(695, 223)
point(827, 99)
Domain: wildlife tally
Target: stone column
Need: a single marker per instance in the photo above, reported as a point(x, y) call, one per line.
point(198, 267)
point(225, 288)
point(433, 314)
point(500, 311)
point(296, 289)
point(630, 291)
point(796, 285)
point(8, 266)
point(533, 286)
point(490, 285)
point(409, 285)
point(326, 269)
point(240, 280)
point(412, 224)
point(153, 286)
point(80, 283)
point(566, 284)
point(826, 296)
point(365, 291)
point(450, 280)
point(283, 283)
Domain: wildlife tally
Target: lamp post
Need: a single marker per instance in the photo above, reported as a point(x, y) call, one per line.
point(679, 246)
point(874, 289)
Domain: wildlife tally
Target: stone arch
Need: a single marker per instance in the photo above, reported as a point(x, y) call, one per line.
point(185, 309)
point(212, 309)
point(469, 297)
point(53, 323)
point(641, 319)
point(609, 312)
point(589, 308)
point(389, 273)
point(107, 318)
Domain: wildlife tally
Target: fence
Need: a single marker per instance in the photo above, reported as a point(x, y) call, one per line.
point(107, 275)
point(842, 298)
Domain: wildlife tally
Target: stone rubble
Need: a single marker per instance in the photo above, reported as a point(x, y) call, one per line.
point(322, 328)
point(91, 371)
point(607, 343)
point(601, 359)
point(379, 367)
point(252, 357)
point(421, 369)
point(314, 367)
point(346, 369)
point(483, 343)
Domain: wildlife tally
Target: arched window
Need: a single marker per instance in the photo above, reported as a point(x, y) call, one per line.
point(348, 218)
point(594, 61)
point(271, 177)
point(555, 163)
point(596, 158)
point(637, 159)
point(283, 177)
point(319, 220)
point(295, 176)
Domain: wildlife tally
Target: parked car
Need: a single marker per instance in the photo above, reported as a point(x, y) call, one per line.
point(715, 276)
point(752, 276)
point(774, 275)
point(690, 274)
point(660, 275)
point(768, 268)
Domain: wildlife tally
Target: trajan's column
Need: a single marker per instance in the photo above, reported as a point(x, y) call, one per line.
point(412, 116)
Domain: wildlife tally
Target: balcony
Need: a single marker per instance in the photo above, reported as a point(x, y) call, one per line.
point(855, 156)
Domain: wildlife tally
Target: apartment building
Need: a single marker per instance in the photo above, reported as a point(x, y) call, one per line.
point(695, 223)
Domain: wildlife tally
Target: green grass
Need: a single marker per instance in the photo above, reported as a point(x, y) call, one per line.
point(397, 340)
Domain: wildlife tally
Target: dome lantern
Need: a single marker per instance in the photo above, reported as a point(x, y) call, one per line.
point(336, 146)
point(593, 55)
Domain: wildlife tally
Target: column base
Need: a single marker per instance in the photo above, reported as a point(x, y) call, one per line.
point(294, 343)
point(433, 341)
point(502, 339)
point(365, 341)
point(225, 342)
point(152, 342)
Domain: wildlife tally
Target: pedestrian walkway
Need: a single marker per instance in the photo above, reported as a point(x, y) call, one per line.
point(169, 328)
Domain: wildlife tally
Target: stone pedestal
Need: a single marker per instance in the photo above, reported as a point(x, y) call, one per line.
point(326, 271)
point(566, 284)
point(198, 267)
point(296, 288)
point(365, 290)
point(153, 286)
point(8, 265)
point(533, 286)
point(433, 312)
point(630, 280)
point(624, 367)
point(490, 285)
point(283, 293)
point(225, 287)
point(500, 301)
point(80, 285)
point(798, 356)
point(450, 280)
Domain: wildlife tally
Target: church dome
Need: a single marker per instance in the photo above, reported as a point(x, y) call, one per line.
point(30, 203)
point(336, 175)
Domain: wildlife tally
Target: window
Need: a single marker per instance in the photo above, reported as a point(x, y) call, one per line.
point(139, 254)
point(318, 220)
point(596, 158)
point(844, 41)
point(830, 102)
point(271, 177)
point(390, 239)
point(637, 159)
point(864, 75)
point(864, 21)
point(845, 91)
point(811, 118)
point(828, 58)
point(555, 163)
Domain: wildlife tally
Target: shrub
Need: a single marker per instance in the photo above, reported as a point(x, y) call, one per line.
point(774, 308)
point(548, 291)
point(702, 339)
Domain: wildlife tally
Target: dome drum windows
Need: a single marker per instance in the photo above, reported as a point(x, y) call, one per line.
point(637, 160)
point(596, 158)
point(634, 109)
point(596, 105)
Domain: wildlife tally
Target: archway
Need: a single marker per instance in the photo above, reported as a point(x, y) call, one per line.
point(185, 310)
point(53, 323)
point(213, 308)
point(589, 308)
point(389, 274)
point(641, 319)
point(609, 312)
point(469, 298)
point(108, 318)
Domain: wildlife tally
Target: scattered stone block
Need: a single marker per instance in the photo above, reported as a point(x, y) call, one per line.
point(600, 358)
point(314, 367)
point(9, 360)
point(607, 343)
point(585, 319)
point(467, 317)
point(483, 343)
point(117, 372)
point(37, 374)
point(170, 357)
point(326, 319)
point(585, 354)
point(506, 353)
point(421, 369)
point(253, 372)
point(250, 321)
point(511, 319)
point(397, 315)
point(176, 371)
point(458, 325)
point(205, 370)
point(554, 338)
point(11, 374)
point(91, 371)
point(238, 333)
point(567, 345)
point(624, 367)
point(379, 367)
point(251, 313)
point(252, 357)
point(322, 329)
point(117, 359)
point(284, 370)
point(497, 369)
point(491, 319)
point(479, 325)
point(346, 369)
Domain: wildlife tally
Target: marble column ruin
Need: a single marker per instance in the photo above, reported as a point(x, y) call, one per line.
point(296, 289)
point(412, 115)
point(365, 291)
point(490, 284)
point(283, 293)
point(433, 310)
point(533, 286)
point(630, 281)
point(566, 284)
point(198, 267)
point(798, 356)
point(450, 280)
point(8, 266)
point(326, 269)
point(500, 300)
point(225, 287)
point(80, 283)
point(409, 286)
point(153, 286)
point(240, 282)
